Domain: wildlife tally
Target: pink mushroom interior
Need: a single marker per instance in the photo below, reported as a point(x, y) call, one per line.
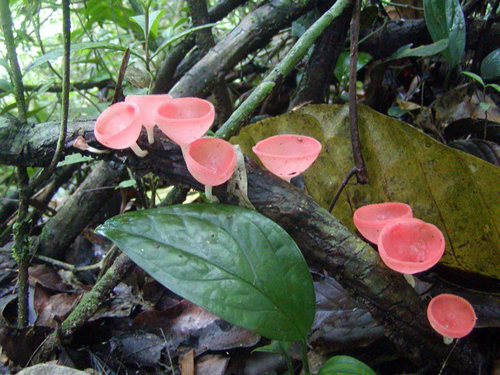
point(215, 156)
point(452, 313)
point(379, 212)
point(290, 146)
point(179, 109)
point(415, 242)
point(116, 120)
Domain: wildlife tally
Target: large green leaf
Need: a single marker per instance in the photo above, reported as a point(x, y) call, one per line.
point(490, 67)
point(451, 189)
point(344, 365)
point(231, 261)
point(445, 20)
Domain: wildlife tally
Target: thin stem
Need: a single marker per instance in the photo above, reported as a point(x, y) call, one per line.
point(359, 168)
point(239, 117)
point(146, 32)
point(305, 363)
point(447, 358)
point(351, 173)
point(353, 107)
point(65, 85)
point(121, 75)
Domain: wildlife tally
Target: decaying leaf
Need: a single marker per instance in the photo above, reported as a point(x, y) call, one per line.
point(453, 190)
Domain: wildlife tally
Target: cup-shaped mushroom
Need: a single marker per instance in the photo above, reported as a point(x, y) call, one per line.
point(211, 161)
point(184, 120)
point(410, 245)
point(371, 219)
point(451, 316)
point(119, 125)
point(287, 155)
point(147, 105)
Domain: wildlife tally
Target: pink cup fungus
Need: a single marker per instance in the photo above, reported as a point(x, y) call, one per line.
point(147, 105)
point(287, 155)
point(211, 161)
point(451, 316)
point(119, 126)
point(410, 245)
point(184, 120)
point(371, 219)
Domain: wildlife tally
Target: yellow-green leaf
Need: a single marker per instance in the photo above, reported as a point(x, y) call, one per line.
point(451, 189)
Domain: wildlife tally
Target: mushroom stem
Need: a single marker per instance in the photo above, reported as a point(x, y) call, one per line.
point(183, 149)
point(208, 193)
point(288, 179)
point(447, 340)
point(151, 134)
point(138, 151)
point(410, 279)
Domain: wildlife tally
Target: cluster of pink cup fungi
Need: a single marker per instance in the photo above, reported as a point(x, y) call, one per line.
point(185, 121)
point(409, 245)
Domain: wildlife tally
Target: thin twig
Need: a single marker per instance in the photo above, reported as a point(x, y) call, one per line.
point(359, 168)
point(121, 75)
point(351, 173)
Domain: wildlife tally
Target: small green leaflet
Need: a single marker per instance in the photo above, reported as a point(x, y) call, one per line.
point(74, 159)
point(342, 68)
point(475, 77)
point(233, 262)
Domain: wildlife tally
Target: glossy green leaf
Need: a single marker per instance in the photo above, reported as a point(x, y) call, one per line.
point(75, 47)
point(234, 262)
point(342, 68)
point(153, 20)
point(445, 20)
point(490, 67)
point(453, 190)
point(475, 77)
point(422, 51)
point(345, 365)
